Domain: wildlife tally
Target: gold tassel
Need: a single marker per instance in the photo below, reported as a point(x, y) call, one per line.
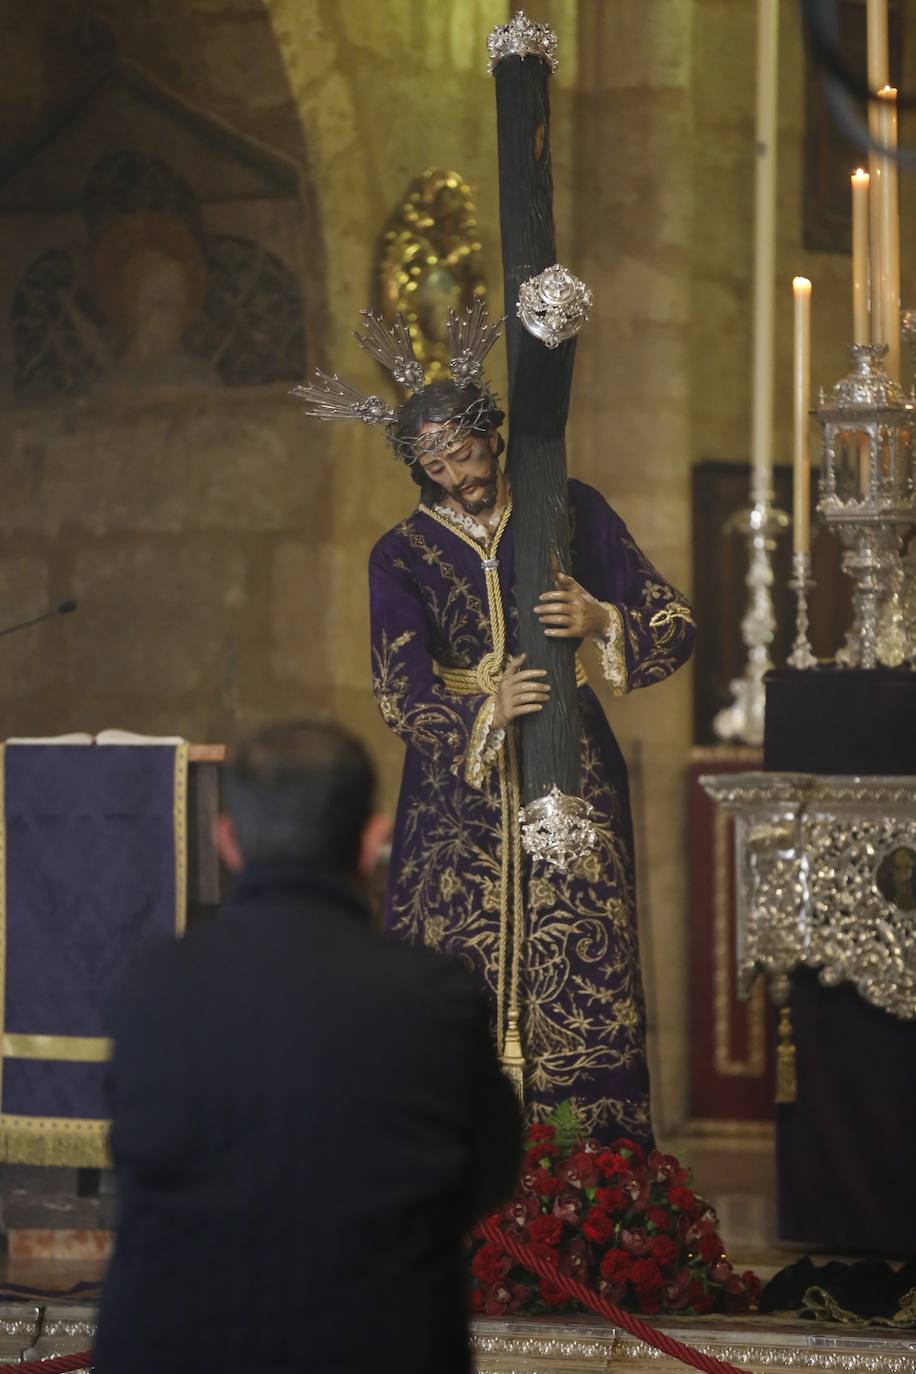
point(513, 1060)
point(786, 1075)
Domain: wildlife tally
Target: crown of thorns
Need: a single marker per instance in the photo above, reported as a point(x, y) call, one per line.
point(471, 336)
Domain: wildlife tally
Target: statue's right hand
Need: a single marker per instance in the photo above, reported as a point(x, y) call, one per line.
point(521, 692)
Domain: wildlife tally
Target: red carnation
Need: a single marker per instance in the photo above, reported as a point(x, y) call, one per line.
point(646, 1276)
point(535, 1157)
point(611, 1199)
point(545, 1252)
point(753, 1285)
point(543, 1182)
point(664, 1251)
point(598, 1226)
point(660, 1218)
point(551, 1294)
point(541, 1131)
point(612, 1164)
point(624, 1144)
point(616, 1266)
point(683, 1199)
point(547, 1229)
point(490, 1263)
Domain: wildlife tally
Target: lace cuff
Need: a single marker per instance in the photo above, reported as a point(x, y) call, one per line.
point(484, 746)
point(612, 652)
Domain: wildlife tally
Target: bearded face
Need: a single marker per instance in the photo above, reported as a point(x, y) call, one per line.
point(467, 470)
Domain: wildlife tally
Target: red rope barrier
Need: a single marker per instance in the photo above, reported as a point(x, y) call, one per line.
point(668, 1345)
point(59, 1364)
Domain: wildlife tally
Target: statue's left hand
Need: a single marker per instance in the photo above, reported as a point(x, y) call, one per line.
point(570, 612)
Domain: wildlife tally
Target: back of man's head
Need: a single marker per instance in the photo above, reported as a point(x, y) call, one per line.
point(301, 792)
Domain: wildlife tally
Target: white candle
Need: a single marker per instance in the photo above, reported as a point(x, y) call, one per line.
point(890, 227)
point(801, 471)
point(878, 76)
point(878, 51)
point(764, 252)
point(860, 181)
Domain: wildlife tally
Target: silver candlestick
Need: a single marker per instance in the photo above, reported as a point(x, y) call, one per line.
point(762, 524)
point(802, 584)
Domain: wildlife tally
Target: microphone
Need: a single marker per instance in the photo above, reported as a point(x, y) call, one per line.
point(64, 608)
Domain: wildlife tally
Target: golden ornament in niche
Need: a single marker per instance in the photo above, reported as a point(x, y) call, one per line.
point(430, 261)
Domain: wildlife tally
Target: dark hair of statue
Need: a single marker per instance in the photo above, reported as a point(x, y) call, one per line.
point(436, 404)
point(301, 792)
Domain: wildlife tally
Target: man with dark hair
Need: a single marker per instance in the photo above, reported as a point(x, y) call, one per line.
point(307, 1116)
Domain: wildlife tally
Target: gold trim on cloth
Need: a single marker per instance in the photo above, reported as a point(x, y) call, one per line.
point(467, 681)
point(612, 652)
point(78, 1142)
point(78, 1049)
point(485, 678)
point(180, 817)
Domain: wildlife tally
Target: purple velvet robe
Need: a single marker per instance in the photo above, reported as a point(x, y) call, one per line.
point(583, 1014)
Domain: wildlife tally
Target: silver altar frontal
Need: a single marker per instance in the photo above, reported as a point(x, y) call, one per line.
point(825, 876)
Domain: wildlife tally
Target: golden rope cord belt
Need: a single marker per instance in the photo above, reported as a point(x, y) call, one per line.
point(486, 677)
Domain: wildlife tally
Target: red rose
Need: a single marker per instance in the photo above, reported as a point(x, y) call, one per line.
point(711, 1247)
point(611, 1199)
point(551, 1295)
point(661, 1219)
point(646, 1276)
point(598, 1226)
point(490, 1263)
point(541, 1131)
point(664, 1251)
point(547, 1229)
point(683, 1199)
point(616, 1266)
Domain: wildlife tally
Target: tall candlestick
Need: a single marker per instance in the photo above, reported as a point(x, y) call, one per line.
point(801, 471)
point(878, 76)
point(890, 227)
point(764, 252)
point(860, 182)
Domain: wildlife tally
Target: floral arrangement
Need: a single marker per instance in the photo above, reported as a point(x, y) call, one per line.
point(626, 1224)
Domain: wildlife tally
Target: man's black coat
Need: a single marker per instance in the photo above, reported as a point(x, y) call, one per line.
point(306, 1118)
